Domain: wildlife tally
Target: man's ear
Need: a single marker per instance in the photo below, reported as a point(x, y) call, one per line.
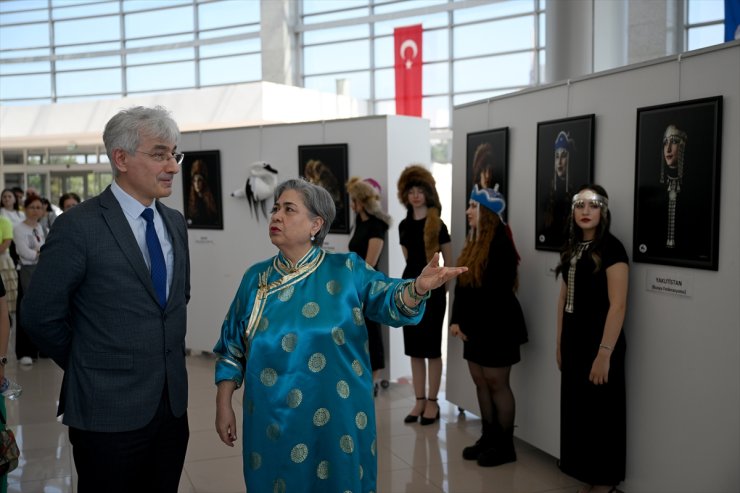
point(120, 160)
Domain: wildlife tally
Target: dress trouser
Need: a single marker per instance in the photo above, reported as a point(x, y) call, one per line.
point(149, 459)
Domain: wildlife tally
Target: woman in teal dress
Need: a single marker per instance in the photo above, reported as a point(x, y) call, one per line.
point(295, 337)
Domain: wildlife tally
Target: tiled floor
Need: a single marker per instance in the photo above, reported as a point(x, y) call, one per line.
point(412, 458)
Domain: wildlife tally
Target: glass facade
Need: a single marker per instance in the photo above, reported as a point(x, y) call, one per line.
point(72, 50)
point(67, 50)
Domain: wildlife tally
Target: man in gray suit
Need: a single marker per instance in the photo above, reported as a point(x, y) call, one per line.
point(104, 308)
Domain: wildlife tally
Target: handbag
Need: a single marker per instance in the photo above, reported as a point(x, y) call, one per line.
point(9, 452)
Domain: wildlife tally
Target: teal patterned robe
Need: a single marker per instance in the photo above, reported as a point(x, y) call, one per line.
point(295, 337)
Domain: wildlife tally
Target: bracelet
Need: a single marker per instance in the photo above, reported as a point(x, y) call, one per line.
point(604, 346)
point(411, 290)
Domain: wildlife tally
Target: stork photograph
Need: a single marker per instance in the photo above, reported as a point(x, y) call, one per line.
point(677, 184)
point(201, 182)
point(326, 165)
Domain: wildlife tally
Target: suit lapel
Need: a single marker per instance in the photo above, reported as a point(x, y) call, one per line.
point(121, 231)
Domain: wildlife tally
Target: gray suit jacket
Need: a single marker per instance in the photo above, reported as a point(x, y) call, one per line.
point(91, 306)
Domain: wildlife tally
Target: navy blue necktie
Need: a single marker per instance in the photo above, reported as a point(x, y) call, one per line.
point(158, 268)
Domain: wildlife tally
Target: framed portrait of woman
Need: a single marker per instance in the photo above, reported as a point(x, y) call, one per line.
point(677, 183)
point(565, 161)
point(326, 165)
point(487, 160)
point(201, 182)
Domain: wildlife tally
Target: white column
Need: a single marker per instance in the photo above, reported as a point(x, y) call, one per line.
point(569, 39)
point(279, 50)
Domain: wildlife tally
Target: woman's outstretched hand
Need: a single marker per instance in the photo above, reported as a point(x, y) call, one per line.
point(433, 276)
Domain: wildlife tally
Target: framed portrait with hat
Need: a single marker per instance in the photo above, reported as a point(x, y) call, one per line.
point(677, 184)
point(565, 161)
point(201, 183)
point(326, 165)
point(487, 160)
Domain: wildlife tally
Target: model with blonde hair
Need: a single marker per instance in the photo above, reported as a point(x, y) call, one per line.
point(368, 238)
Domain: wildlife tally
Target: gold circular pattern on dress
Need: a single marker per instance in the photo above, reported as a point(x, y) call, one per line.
point(337, 333)
point(268, 377)
point(378, 286)
point(361, 420)
point(323, 470)
point(278, 486)
point(289, 342)
point(321, 416)
point(273, 432)
point(349, 264)
point(316, 362)
point(357, 316)
point(294, 399)
point(357, 367)
point(343, 389)
point(299, 453)
point(255, 461)
point(333, 287)
point(362, 472)
point(310, 309)
point(346, 444)
point(263, 324)
point(286, 294)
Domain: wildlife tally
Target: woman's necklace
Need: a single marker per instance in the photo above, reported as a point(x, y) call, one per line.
point(570, 296)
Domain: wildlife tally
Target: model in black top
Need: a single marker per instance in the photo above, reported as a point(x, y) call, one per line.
point(591, 346)
point(368, 238)
point(423, 234)
point(491, 347)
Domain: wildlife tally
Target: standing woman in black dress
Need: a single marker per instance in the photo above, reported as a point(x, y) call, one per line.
point(591, 346)
point(422, 234)
point(491, 344)
point(371, 226)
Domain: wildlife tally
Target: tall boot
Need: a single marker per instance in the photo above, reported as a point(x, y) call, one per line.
point(473, 452)
point(502, 449)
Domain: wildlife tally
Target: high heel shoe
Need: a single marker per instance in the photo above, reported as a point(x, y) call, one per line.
point(411, 418)
point(427, 421)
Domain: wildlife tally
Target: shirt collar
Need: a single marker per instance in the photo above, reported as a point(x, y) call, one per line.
point(131, 206)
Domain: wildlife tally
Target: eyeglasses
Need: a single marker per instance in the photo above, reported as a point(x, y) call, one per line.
point(165, 156)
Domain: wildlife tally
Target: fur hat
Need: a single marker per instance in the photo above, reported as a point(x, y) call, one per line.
point(368, 195)
point(416, 175)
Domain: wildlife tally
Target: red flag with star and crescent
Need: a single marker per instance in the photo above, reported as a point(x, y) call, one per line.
point(408, 69)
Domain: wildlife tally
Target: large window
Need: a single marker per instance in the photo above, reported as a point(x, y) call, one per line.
point(471, 49)
point(69, 50)
point(704, 23)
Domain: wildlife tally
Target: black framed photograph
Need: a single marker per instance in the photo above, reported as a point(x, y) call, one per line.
point(487, 161)
point(677, 180)
point(201, 183)
point(326, 165)
point(565, 162)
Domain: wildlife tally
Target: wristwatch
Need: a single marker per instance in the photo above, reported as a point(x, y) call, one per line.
point(3, 360)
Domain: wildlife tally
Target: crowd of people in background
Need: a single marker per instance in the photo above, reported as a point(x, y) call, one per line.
point(125, 296)
point(25, 221)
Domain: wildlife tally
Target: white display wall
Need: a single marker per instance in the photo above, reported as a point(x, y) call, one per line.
point(683, 352)
point(378, 147)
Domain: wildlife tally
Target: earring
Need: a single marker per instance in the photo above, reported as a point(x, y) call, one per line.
point(312, 238)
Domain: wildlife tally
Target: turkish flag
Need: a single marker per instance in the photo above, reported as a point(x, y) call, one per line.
point(408, 70)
